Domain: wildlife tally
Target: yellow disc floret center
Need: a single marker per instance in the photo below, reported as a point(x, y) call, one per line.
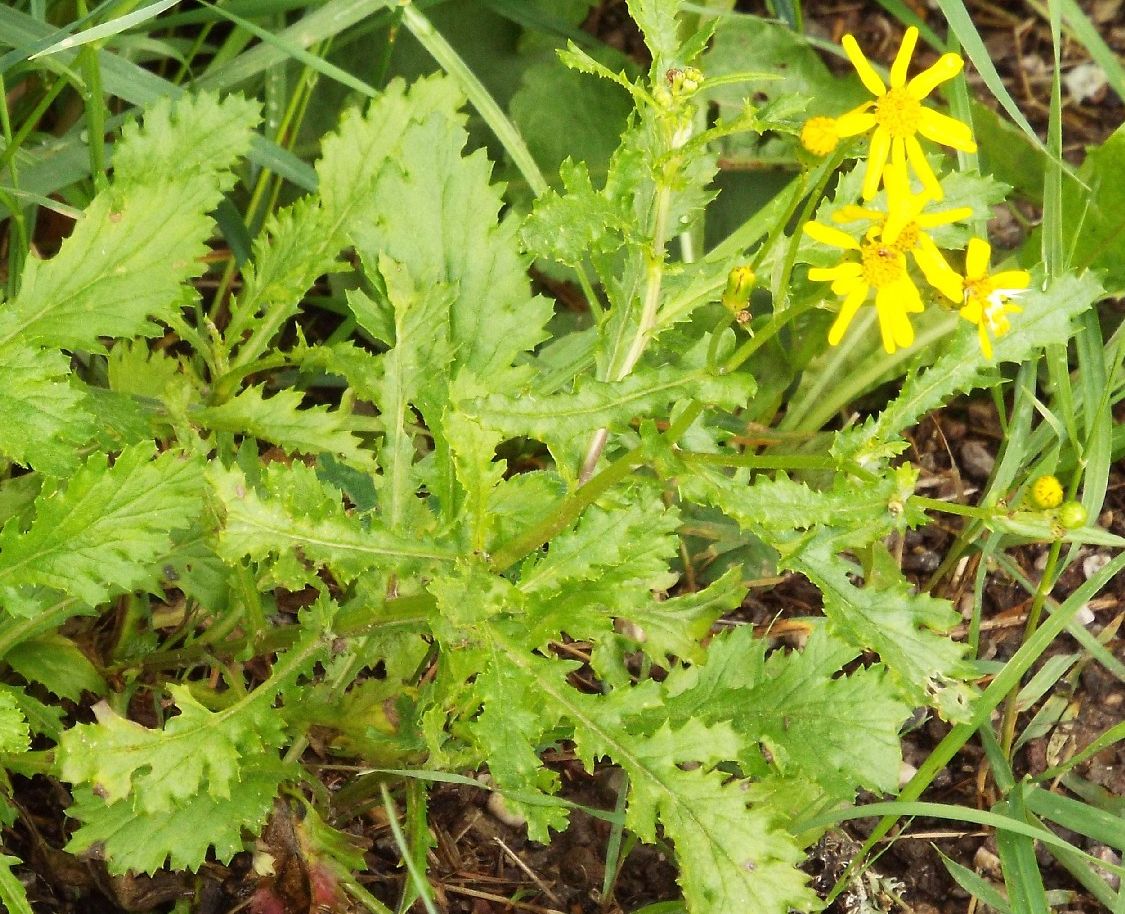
point(978, 288)
point(899, 112)
point(883, 264)
point(907, 239)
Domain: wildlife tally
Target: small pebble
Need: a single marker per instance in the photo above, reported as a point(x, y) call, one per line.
point(987, 863)
point(499, 808)
point(1110, 856)
point(976, 460)
point(1085, 615)
point(1092, 564)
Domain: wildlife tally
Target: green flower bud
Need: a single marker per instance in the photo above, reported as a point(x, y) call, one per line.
point(1072, 515)
point(740, 282)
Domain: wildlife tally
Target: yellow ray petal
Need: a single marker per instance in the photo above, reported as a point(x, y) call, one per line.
point(897, 331)
point(853, 213)
point(853, 123)
point(977, 257)
point(847, 312)
point(840, 271)
point(948, 66)
point(1011, 279)
point(891, 320)
point(898, 155)
point(845, 285)
point(902, 58)
point(825, 234)
point(867, 74)
point(908, 297)
point(937, 271)
point(876, 160)
point(985, 342)
point(941, 128)
point(945, 217)
point(922, 168)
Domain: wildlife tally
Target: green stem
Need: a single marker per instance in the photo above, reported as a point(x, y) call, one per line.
point(951, 507)
point(403, 612)
point(656, 258)
point(760, 462)
point(95, 107)
point(586, 494)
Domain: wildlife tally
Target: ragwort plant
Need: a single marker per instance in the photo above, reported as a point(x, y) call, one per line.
point(200, 497)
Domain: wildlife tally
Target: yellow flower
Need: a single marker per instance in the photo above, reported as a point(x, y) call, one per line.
point(898, 115)
point(881, 266)
point(987, 297)
point(904, 225)
point(819, 136)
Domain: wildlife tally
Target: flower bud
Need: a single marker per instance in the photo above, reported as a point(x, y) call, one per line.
point(1046, 492)
point(819, 135)
point(740, 282)
point(1072, 515)
point(683, 82)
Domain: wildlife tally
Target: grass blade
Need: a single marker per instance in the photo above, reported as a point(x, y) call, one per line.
point(107, 29)
point(479, 97)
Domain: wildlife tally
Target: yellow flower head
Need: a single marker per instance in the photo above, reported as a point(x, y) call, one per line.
point(882, 267)
point(819, 136)
point(898, 116)
point(988, 297)
point(905, 225)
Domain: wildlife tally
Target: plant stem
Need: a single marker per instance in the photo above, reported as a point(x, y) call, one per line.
point(650, 303)
point(577, 502)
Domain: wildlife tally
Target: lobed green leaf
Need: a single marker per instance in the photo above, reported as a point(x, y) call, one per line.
point(101, 532)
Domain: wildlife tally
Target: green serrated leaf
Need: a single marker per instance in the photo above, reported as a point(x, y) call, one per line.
point(159, 770)
point(581, 223)
point(732, 856)
point(14, 735)
point(304, 240)
point(560, 419)
point(56, 663)
point(281, 420)
point(510, 731)
point(198, 752)
point(675, 627)
point(908, 630)
point(297, 518)
point(414, 372)
point(100, 533)
point(580, 61)
point(12, 893)
point(139, 241)
point(436, 215)
point(43, 417)
point(44, 719)
point(782, 505)
point(629, 543)
point(133, 368)
point(657, 20)
point(182, 838)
